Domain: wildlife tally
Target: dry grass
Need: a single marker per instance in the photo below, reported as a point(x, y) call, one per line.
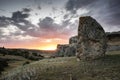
point(68, 68)
point(12, 57)
point(13, 62)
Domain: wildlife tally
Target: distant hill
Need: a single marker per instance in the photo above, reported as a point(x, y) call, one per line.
point(113, 38)
point(26, 53)
point(34, 50)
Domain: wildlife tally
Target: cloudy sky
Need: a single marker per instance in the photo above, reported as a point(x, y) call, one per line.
point(42, 24)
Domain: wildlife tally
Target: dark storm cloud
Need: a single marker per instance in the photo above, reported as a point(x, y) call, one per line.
point(24, 25)
point(114, 9)
point(2, 10)
point(73, 5)
point(18, 19)
point(19, 16)
point(49, 28)
point(5, 21)
point(66, 16)
point(39, 7)
point(26, 9)
point(48, 24)
point(54, 9)
point(106, 11)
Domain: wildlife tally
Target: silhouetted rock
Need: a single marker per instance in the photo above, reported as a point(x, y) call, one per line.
point(91, 39)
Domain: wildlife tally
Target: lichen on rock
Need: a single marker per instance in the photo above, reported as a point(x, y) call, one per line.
point(91, 39)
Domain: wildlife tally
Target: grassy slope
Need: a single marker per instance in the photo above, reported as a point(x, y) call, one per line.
point(68, 68)
point(14, 61)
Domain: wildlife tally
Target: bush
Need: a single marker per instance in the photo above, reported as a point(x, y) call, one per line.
point(25, 63)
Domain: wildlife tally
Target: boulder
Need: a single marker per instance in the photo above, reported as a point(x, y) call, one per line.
point(91, 39)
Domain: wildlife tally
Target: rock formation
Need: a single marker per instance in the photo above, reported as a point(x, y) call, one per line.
point(61, 50)
point(67, 49)
point(113, 40)
point(73, 40)
point(71, 50)
point(91, 39)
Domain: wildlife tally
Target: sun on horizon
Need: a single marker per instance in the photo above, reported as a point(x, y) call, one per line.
point(52, 47)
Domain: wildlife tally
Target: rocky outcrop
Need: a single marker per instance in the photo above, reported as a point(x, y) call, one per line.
point(68, 49)
point(61, 48)
point(73, 40)
point(71, 50)
point(91, 39)
point(113, 41)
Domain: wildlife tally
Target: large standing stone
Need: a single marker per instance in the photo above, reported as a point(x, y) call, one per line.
point(91, 39)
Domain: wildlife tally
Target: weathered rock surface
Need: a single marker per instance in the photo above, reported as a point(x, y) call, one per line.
point(113, 41)
point(61, 48)
point(73, 40)
point(91, 39)
point(67, 49)
point(71, 50)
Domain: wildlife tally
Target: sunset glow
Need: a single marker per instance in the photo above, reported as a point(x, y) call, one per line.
point(42, 24)
point(52, 47)
point(47, 44)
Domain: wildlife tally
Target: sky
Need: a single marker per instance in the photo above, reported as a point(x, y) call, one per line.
point(42, 24)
